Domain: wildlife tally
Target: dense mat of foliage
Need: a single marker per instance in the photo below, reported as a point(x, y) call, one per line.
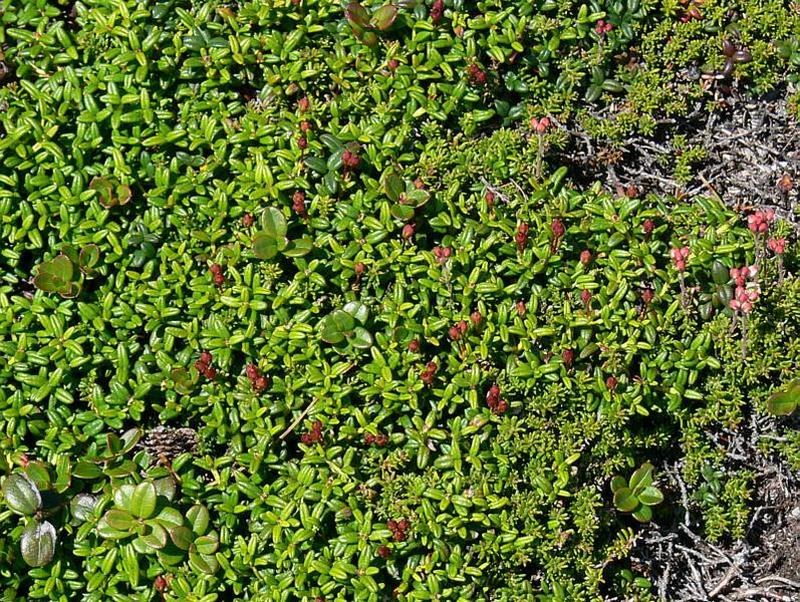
point(391, 359)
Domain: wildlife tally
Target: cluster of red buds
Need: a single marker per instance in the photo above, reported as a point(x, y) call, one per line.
point(437, 11)
point(413, 346)
point(742, 275)
point(586, 299)
point(611, 383)
point(521, 237)
point(648, 226)
point(680, 256)
point(568, 356)
point(303, 104)
point(489, 197)
point(475, 75)
point(216, 273)
point(586, 257)
point(647, 296)
point(299, 203)
point(458, 330)
point(429, 373)
point(408, 231)
point(602, 27)
point(746, 292)
point(442, 253)
point(744, 298)
point(204, 366)
point(496, 405)
point(302, 142)
point(392, 64)
point(384, 551)
point(350, 160)
point(399, 528)
point(760, 220)
point(540, 126)
point(777, 245)
point(380, 439)
point(161, 584)
point(257, 380)
point(314, 435)
point(247, 220)
point(558, 230)
point(305, 126)
point(476, 318)
point(521, 308)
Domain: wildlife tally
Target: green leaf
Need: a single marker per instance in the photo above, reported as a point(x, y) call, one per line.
point(299, 247)
point(206, 545)
point(342, 321)
point(358, 310)
point(273, 223)
point(651, 496)
point(82, 507)
point(129, 439)
point(88, 258)
point(643, 514)
point(203, 563)
point(169, 517)
point(357, 15)
point(49, 283)
point(385, 16)
point(198, 518)
point(123, 495)
point(166, 487)
point(21, 494)
point(156, 538)
point(625, 500)
point(38, 543)
point(329, 332)
point(784, 401)
point(393, 185)
point(87, 470)
point(719, 273)
point(143, 500)
point(180, 536)
point(402, 212)
point(38, 473)
point(361, 339)
point(641, 478)
point(119, 520)
point(264, 245)
point(417, 197)
point(618, 482)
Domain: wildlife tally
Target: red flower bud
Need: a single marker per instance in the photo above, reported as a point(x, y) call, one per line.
point(413, 346)
point(521, 309)
point(462, 326)
point(454, 333)
point(359, 268)
point(299, 203)
point(475, 317)
point(206, 357)
point(586, 297)
point(259, 384)
point(567, 356)
point(489, 196)
point(648, 226)
point(303, 104)
point(160, 584)
point(647, 296)
point(251, 370)
point(305, 126)
point(384, 552)
point(419, 184)
point(302, 142)
point(215, 268)
point(408, 231)
point(247, 220)
point(210, 373)
point(392, 64)
point(611, 383)
point(586, 257)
